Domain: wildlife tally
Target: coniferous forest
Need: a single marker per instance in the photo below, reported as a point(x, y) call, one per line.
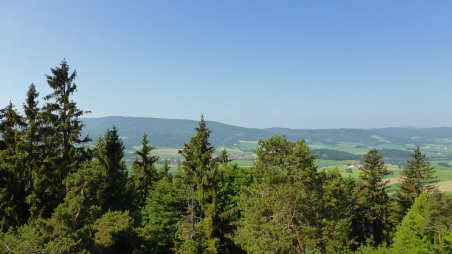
point(61, 192)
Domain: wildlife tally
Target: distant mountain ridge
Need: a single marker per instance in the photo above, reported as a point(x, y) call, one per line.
point(175, 132)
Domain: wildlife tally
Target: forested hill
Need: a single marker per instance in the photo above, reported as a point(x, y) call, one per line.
point(174, 132)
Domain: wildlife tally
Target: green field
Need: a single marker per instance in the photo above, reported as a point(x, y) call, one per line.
point(243, 163)
point(444, 177)
point(437, 154)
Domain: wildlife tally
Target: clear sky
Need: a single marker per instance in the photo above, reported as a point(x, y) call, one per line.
point(297, 64)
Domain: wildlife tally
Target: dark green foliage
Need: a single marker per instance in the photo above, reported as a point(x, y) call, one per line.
point(417, 176)
point(144, 173)
point(114, 233)
point(81, 207)
point(337, 210)
point(61, 115)
point(68, 229)
point(29, 238)
point(199, 229)
point(164, 170)
point(328, 154)
point(223, 157)
point(62, 148)
point(232, 181)
point(290, 207)
point(109, 153)
point(438, 221)
point(166, 205)
point(374, 207)
point(13, 210)
point(32, 143)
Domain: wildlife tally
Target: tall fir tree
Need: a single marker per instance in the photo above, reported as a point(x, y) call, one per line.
point(62, 130)
point(198, 231)
point(374, 206)
point(144, 173)
point(32, 143)
point(416, 177)
point(13, 210)
point(62, 113)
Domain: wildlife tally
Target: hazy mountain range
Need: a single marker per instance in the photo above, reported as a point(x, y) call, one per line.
point(175, 132)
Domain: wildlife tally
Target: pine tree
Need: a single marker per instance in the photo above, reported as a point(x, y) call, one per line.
point(282, 208)
point(337, 207)
point(374, 204)
point(199, 231)
point(144, 173)
point(417, 176)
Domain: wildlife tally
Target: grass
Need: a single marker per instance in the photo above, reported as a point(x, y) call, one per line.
point(444, 177)
point(444, 174)
point(247, 146)
point(244, 163)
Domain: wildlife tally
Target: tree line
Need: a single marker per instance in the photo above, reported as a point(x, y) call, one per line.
point(62, 193)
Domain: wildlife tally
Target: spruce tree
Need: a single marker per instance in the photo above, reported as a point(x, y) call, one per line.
point(198, 231)
point(144, 173)
point(62, 115)
point(417, 176)
point(109, 153)
point(32, 143)
point(232, 181)
point(374, 204)
point(61, 133)
point(13, 211)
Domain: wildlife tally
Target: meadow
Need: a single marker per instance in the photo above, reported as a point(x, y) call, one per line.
point(444, 174)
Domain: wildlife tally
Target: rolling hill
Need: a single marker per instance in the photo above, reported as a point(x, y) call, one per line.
point(395, 143)
point(174, 132)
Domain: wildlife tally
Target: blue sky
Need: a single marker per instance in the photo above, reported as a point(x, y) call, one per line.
point(297, 64)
